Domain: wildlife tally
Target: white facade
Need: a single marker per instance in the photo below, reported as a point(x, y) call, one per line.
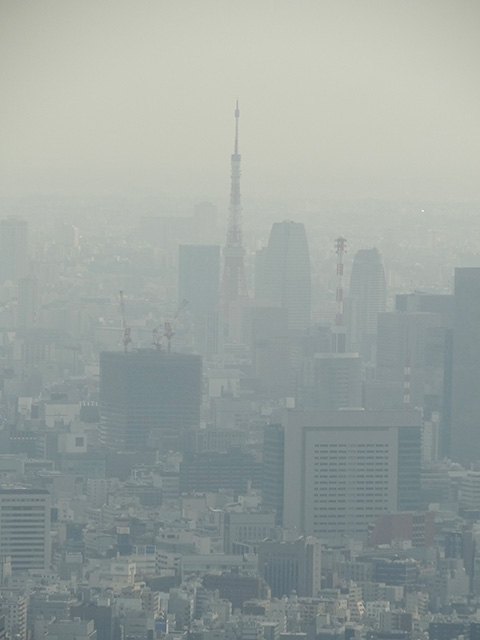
point(25, 527)
point(341, 469)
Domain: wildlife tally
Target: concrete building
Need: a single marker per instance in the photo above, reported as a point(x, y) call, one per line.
point(343, 469)
point(415, 527)
point(13, 249)
point(470, 491)
point(25, 527)
point(397, 571)
point(27, 301)
point(332, 381)
point(199, 284)
point(465, 436)
point(71, 629)
point(236, 587)
point(247, 526)
point(13, 608)
point(146, 395)
point(212, 471)
point(403, 339)
point(444, 628)
point(266, 333)
point(291, 566)
point(285, 273)
point(273, 469)
point(199, 276)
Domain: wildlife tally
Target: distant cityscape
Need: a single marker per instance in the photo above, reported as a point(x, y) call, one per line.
point(225, 425)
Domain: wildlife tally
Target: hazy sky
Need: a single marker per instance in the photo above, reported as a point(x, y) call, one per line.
point(338, 98)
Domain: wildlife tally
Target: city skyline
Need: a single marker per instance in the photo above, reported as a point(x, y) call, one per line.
point(239, 383)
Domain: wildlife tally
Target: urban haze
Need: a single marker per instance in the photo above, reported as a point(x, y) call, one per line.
point(239, 320)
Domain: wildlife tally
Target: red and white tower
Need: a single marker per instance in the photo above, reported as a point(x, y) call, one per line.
point(234, 283)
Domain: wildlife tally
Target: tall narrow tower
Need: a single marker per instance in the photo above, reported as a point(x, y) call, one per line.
point(234, 284)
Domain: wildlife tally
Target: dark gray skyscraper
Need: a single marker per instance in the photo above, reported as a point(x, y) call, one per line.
point(13, 249)
point(146, 395)
point(465, 434)
point(367, 298)
point(285, 280)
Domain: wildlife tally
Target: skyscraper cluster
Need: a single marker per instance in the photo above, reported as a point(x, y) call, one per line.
point(262, 442)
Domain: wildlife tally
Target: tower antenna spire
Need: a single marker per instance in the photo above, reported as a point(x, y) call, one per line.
point(234, 283)
point(237, 116)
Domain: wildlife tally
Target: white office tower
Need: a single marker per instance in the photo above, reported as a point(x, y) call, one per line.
point(284, 278)
point(367, 298)
point(25, 527)
point(343, 469)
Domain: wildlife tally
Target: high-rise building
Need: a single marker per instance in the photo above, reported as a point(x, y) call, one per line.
point(437, 361)
point(13, 609)
point(25, 527)
point(199, 284)
point(13, 249)
point(291, 566)
point(234, 282)
point(367, 298)
point(146, 395)
point(199, 276)
point(266, 332)
point(402, 351)
point(205, 217)
point(331, 381)
point(273, 469)
point(342, 469)
point(285, 279)
point(27, 301)
point(465, 436)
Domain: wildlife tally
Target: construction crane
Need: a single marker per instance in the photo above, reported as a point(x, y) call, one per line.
point(168, 332)
point(127, 338)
